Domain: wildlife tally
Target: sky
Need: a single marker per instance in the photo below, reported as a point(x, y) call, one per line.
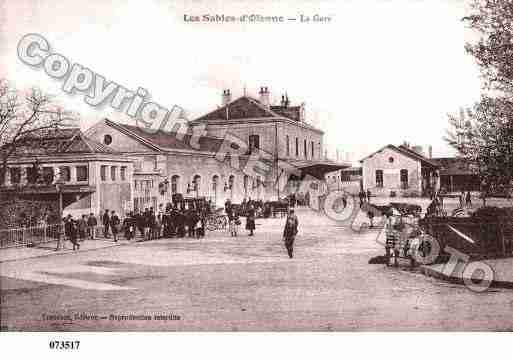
point(380, 72)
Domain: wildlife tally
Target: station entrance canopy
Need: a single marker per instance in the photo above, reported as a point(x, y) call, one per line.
point(319, 168)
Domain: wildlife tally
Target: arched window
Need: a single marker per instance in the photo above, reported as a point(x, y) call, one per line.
point(215, 182)
point(174, 184)
point(196, 183)
point(246, 183)
point(231, 182)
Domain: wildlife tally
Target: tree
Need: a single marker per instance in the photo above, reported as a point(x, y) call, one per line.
point(26, 117)
point(483, 134)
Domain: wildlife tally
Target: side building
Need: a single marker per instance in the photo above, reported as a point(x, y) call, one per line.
point(400, 169)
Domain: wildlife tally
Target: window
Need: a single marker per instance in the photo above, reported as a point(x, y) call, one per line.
point(304, 149)
point(196, 183)
point(297, 147)
point(215, 183)
point(174, 184)
point(312, 143)
point(379, 178)
point(137, 165)
point(231, 182)
point(15, 174)
point(48, 175)
point(404, 178)
point(245, 184)
point(135, 184)
point(391, 159)
point(113, 170)
point(32, 174)
point(107, 139)
point(287, 139)
point(82, 173)
point(122, 174)
point(254, 142)
point(65, 173)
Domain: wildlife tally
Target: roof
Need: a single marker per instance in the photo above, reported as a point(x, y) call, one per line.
point(453, 166)
point(407, 152)
point(57, 141)
point(169, 140)
point(246, 107)
point(318, 168)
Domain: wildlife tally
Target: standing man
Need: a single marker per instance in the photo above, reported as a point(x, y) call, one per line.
point(290, 232)
point(250, 220)
point(468, 200)
point(82, 227)
point(106, 223)
point(114, 225)
point(91, 225)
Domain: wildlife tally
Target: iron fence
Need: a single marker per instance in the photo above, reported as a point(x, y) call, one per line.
point(29, 236)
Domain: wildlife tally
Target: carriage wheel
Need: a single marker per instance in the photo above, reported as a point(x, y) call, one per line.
point(211, 224)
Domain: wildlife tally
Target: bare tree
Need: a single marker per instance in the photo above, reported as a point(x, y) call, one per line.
point(27, 116)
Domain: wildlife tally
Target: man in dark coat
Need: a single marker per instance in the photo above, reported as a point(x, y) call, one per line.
point(91, 225)
point(114, 225)
point(250, 220)
point(106, 223)
point(290, 232)
point(70, 230)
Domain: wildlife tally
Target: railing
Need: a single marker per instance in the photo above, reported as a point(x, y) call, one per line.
point(29, 236)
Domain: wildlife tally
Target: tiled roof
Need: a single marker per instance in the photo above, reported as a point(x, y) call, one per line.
point(407, 152)
point(292, 112)
point(170, 140)
point(57, 141)
point(241, 108)
point(246, 107)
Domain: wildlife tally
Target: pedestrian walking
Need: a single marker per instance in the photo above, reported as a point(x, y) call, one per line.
point(114, 225)
point(106, 223)
point(70, 231)
point(290, 232)
point(344, 201)
point(462, 198)
point(82, 227)
point(250, 220)
point(91, 225)
point(468, 200)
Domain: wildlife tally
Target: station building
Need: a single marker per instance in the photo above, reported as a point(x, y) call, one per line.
point(124, 167)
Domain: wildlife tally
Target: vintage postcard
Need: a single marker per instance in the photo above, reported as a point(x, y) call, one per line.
point(256, 166)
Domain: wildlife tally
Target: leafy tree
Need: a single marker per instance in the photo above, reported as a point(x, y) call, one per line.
point(483, 134)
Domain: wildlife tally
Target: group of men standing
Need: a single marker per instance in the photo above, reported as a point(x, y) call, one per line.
point(174, 220)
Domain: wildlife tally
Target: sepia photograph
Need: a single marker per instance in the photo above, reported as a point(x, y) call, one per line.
point(255, 166)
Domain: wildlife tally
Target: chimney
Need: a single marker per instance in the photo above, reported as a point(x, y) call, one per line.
point(226, 97)
point(264, 96)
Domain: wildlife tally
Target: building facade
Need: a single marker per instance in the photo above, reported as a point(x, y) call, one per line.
point(399, 169)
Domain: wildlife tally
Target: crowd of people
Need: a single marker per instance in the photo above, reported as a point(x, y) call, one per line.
point(173, 220)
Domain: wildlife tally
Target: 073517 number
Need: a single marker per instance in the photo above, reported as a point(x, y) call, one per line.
point(64, 344)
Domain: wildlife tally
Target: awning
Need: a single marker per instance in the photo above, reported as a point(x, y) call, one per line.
point(49, 189)
point(319, 168)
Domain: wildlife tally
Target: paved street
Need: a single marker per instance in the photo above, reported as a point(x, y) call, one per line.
point(244, 283)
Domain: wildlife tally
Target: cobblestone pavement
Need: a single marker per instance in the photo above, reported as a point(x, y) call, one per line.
point(244, 283)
